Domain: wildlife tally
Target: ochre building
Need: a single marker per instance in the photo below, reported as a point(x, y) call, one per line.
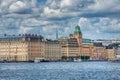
point(52, 50)
point(73, 48)
point(21, 48)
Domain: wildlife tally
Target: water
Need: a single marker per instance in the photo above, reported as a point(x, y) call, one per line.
point(60, 71)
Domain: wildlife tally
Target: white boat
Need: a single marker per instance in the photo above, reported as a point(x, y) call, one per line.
point(36, 61)
point(77, 60)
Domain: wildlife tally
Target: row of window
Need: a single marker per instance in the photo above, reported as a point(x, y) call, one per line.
point(10, 39)
point(13, 57)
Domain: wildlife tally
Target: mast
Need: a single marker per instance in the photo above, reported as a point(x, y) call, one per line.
point(56, 34)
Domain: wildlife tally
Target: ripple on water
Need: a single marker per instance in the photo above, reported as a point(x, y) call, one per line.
point(60, 71)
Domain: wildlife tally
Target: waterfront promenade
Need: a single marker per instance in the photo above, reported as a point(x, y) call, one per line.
point(60, 71)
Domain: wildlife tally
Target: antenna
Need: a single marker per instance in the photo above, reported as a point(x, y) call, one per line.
point(56, 34)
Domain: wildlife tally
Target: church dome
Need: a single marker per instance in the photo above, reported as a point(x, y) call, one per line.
point(77, 30)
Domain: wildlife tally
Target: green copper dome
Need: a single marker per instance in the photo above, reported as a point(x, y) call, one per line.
point(77, 30)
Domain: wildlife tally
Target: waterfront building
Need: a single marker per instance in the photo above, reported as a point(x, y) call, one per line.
point(87, 51)
point(85, 45)
point(99, 52)
point(111, 51)
point(20, 48)
point(52, 50)
point(13, 51)
point(75, 47)
point(77, 35)
point(69, 48)
point(36, 50)
point(87, 48)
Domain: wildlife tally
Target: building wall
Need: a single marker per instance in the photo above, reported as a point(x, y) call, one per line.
point(86, 50)
point(70, 51)
point(13, 51)
point(22, 51)
point(69, 47)
point(52, 51)
point(99, 53)
point(36, 50)
point(111, 54)
point(79, 38)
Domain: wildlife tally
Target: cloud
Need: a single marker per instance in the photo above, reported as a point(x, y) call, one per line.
point(110, 26)
point(33, 22)
point(9, 24)
point(51, 12)
point(65, 3)
point(96, 17)
point(34, 3)
point(79, 8)
point(103, 5)
point(82, 20)
point(24, 30)
point(4, 4)
point(19, 7)
point(100, 27)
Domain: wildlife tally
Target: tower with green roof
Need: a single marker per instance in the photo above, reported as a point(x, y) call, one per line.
point(77, 30)
point(78, 34)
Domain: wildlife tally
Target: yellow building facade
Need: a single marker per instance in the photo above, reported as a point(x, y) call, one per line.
point(36, 50)
point(21, 48)
point(69, 48)
point(13, 51)
point(99, 53)
point(86, 50)
point(111, 53)
point(72, 47)
point(52, 51)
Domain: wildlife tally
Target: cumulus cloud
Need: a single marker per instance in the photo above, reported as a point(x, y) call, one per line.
point(65, 3)
point(19, 7)
point(82, 20)
point(51, 12)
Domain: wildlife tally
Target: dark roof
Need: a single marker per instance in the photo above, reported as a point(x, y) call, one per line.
point(111, 46)
point(98, 44)
point(52, 41)
point(20, 37)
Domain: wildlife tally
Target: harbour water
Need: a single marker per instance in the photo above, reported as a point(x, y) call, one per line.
point(60, 71)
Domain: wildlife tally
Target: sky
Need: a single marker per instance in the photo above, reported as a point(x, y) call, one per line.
point(98, 19)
